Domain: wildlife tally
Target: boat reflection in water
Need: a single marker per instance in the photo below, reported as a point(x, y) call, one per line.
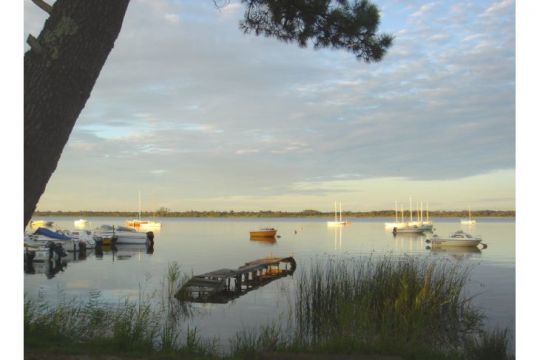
point(123, 251)
point(263, 240)
point(338, 237)
point(224, 285)
point(49, 268)
point(409, 242)
point(52, 265)
point(455, 252)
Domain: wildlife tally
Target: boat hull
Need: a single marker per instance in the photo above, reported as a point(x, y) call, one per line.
point(337, 223)
point(398, 225)
point(263, 234)
point(141, 225)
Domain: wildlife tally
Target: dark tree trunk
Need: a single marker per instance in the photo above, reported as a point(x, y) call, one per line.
point(59, 74)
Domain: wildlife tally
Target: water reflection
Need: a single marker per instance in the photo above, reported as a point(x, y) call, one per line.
point(53, 265)
point(456, 252)
point(49, 268)
point(263, 240)
point(338, 237)
point(409, 242)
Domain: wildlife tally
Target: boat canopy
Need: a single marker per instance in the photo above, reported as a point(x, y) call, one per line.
point(51, 234)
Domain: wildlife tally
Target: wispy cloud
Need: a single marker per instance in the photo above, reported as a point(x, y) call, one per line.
point(204, 102)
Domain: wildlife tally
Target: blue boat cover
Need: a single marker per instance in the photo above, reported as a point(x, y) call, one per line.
point(51, 234)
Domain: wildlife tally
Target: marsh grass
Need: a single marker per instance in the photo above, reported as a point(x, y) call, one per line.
point(408, 307)
point(150, 324)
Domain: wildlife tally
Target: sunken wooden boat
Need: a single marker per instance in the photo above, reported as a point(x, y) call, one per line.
point(224, 285)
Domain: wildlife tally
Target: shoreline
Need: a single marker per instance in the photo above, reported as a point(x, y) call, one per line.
point(270, 214)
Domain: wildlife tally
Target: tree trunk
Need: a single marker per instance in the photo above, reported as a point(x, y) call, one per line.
point(59, 74)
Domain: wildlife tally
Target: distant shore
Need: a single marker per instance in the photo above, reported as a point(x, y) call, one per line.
point(272, 214)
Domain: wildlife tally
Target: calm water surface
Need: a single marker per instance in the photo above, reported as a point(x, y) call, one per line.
point(203, 245)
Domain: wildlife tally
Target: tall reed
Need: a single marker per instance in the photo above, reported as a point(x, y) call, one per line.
point(385, 302)
point(408, 306)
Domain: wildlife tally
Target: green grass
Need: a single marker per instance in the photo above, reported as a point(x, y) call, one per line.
point(408, 307)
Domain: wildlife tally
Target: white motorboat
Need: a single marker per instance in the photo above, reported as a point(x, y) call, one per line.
point(120, 234)
point(82, 235)
point(69, 241)
point(458, 238)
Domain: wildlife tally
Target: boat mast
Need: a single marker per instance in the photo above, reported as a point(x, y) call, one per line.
point(402, 220)
point(396, 211)
point(417, 212)
point(335, 211)
point(421, 211)
point(427, 211)
point(410, 207)
point(340, 211)
point(139, 205)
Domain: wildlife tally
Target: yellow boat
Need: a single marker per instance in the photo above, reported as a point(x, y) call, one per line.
point(265, 232)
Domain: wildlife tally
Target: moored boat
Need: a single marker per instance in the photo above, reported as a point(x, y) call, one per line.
point(143, 225)
point(408, 230)
point(44, 235)
point(81, 223)
point(469, 221)
point(120, 235)
point(264, 232)
point(338, 220)
point(41, 223)
point(458, 239)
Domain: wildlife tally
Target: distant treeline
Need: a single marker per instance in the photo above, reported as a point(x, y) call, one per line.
point(162, 212)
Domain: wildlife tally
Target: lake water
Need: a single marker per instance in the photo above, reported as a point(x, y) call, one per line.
point(201, 245)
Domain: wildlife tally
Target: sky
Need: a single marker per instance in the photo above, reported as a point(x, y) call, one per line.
point(195, 114)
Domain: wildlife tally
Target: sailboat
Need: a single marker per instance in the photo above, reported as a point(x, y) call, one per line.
point(338, 221)
point(143, 225)
point(396, 224)
point(425, 224)
point(469, 221)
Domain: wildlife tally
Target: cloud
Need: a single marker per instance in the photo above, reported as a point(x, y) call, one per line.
point(231, 10)
point(216, 108)
point(498, 6)
point(423, 10)
point(172, 18)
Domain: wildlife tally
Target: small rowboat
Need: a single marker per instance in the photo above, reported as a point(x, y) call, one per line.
point(264, 232)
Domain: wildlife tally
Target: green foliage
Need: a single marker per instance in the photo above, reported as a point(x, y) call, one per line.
point(339, 24)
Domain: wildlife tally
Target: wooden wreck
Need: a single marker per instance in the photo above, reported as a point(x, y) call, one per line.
point(223, 285)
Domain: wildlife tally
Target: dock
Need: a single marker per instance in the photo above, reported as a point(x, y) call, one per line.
point(224, 285)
